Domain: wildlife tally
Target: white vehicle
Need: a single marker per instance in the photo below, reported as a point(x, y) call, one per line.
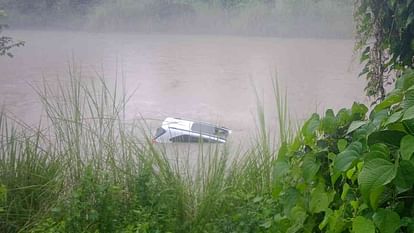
point(179, 130)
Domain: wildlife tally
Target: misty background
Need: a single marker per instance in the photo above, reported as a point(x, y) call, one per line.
point(195, 59)
point(288, 18)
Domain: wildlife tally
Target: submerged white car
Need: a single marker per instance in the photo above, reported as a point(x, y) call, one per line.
point(179, 130)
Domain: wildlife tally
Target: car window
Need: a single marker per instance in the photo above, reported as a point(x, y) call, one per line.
point(203, 128)
point(189, 138)
point(159, 133)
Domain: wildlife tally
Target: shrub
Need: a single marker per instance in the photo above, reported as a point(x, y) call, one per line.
point(349, 171)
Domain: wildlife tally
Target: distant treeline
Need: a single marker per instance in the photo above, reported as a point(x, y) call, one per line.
point(332, 18)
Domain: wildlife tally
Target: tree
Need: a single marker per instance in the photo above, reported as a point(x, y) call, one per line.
point(385, 35)
point(6, 42)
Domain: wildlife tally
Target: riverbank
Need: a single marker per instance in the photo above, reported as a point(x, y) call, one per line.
point(89, 172)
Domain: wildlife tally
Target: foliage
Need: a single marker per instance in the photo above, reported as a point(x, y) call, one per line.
point(29, 177)
point(344, 172)
point(385, 35)
point(6, 42)
point(350, 172)
point(89, 170)
point(299, 18)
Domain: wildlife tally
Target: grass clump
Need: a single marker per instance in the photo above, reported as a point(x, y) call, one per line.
point(86, 169)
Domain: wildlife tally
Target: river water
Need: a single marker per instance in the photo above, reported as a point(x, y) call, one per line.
point(208, 78)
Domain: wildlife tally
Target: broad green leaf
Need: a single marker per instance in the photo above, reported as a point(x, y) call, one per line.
point(289, 199)
point(355, 146)
point(358, 111)
point(408, 114)
point(360, 135)
point(405, 178)
point(387, 221)
point(407, 147)
point(407, 79)
point(296, 144)
point(345, 190)
point(310, 167)
point(344, 160)
point(362, 225)
point(319, 202)
point(408, 99)
point(298, 217)
point(380, 149)
point(320, 199)
point(329, 122)
point(344, 117)
point(396, 116)
point(394, 97)
point(280, 169)
point(408, 126)
point(375, 155)
point(398, 126)
point(378, 117)
point(310, 127)
point(355, 125)
point(388, 137)
point(336, 222)
point(342, 143)
point(375, 174)
point(350, 173)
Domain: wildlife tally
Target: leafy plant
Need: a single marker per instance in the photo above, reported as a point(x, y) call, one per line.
point(351, 172)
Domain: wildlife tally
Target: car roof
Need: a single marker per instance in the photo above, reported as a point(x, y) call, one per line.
point(177, 123)
point(171, 122)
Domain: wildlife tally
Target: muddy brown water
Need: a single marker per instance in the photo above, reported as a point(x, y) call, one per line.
point(208, 78)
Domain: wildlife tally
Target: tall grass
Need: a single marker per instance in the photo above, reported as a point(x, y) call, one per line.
point(86, 169)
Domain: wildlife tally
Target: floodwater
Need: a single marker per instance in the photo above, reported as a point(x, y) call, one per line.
point(207, 78)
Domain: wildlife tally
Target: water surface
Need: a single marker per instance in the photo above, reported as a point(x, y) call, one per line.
point(208, 78)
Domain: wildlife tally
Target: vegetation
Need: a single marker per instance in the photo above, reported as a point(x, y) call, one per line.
point(6, 42)
point(386, 38)
point(317, 18)
point(90, 171)
point(349, 172)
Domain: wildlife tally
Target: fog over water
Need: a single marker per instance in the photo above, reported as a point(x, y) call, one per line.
point(292, 18)
point(201, 77)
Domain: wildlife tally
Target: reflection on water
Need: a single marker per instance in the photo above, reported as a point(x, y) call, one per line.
point(207, 78)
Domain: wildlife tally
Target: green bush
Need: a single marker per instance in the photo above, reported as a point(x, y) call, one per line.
point(351, 172)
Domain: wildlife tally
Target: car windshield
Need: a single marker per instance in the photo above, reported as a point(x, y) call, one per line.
point(160, 131)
